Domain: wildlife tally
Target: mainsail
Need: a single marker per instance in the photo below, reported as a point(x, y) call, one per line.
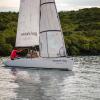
point(28, 24)
point(51, 37)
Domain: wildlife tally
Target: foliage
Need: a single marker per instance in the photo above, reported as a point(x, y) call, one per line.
point(81, 31)
point(8, 25)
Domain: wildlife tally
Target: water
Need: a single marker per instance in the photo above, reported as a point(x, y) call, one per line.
point(83, 83)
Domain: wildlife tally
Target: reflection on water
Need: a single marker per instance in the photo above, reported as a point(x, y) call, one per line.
point(83, 83)
point(7, 85)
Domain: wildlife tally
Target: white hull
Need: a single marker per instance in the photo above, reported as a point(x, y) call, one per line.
point(56, 63)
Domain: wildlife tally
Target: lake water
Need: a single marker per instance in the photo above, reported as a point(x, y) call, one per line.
point(83, 83)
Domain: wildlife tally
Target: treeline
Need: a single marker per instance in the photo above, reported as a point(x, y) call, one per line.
point(81, 31)
point(8, 26)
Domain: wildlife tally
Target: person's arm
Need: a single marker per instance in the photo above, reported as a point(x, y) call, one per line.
point(19, 50)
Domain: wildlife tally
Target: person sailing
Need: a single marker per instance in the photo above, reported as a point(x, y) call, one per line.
point(14, 54)
point(32, 54)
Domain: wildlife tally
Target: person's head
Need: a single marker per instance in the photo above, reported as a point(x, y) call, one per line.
point(15, 48)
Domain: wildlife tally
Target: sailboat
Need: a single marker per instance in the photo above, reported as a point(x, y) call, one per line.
point(39, 25)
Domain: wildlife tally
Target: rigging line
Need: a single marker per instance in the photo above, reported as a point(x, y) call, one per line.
point(47, 44)
point(39, 28)
point(47, 32)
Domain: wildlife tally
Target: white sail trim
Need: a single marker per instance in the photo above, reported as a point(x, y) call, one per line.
point(50, 31)
point(28, 24)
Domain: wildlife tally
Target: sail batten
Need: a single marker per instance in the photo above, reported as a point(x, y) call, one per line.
point(47, 3)
point(51, 31)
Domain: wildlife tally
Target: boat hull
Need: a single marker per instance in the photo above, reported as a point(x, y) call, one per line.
point(48, 63)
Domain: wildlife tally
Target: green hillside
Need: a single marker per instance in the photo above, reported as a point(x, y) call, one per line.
point(8, 25)
point(81, 31)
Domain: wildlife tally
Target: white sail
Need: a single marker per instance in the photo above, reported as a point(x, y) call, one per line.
point(28, 23)
point(51, 37)
point(39, 24)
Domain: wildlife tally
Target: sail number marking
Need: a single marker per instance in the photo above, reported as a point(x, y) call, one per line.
point(60, 60)
point(29, 33)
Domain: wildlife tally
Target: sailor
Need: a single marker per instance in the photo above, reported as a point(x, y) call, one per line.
point(14, 53)
point(32, 54)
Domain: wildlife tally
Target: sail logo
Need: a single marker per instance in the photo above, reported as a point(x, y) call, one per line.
point(29, 34)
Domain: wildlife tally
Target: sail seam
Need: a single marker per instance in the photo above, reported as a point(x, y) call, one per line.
point(47, 3)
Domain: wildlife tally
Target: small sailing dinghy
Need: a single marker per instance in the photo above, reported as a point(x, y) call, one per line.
point(39, 25)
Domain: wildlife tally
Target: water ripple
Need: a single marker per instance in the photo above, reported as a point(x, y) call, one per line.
point(83, 83)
